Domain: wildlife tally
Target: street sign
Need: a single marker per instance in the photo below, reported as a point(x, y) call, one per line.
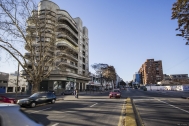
point(70, 79)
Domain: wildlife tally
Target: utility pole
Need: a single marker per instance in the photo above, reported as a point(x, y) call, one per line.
point(17, 81)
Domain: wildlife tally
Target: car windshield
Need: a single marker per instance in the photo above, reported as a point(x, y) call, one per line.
point(116, 90)
point(35, 95)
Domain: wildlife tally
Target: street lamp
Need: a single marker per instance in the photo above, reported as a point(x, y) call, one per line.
point(101, 80)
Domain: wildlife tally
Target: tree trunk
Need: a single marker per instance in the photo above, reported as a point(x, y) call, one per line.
point(35, 87)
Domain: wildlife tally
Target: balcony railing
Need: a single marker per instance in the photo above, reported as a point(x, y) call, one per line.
point(71, 39)
point(70, 55)
point(68, 28)
point(64, 62)
point(66, 43)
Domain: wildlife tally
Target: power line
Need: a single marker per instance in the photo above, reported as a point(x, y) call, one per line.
point(178, 63)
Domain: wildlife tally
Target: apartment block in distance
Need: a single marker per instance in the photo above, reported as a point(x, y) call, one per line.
point(151, 72)
point(72, 46)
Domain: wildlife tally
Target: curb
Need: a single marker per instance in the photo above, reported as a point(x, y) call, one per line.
point(184, 97)
point(138, 118)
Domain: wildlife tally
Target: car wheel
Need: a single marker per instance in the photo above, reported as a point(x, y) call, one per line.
point(33, 104)
point(53, 101)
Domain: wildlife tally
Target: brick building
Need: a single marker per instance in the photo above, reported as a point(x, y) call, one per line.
point(151, 72)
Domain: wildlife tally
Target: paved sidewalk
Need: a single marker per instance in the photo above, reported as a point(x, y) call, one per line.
point(59, 97)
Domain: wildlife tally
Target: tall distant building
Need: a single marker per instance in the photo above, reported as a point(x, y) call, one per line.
point(72, 47)
point(151, 72)
point(137, 78)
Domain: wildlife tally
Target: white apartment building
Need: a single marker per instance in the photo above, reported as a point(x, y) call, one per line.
point(12, 84)
point(72, 45)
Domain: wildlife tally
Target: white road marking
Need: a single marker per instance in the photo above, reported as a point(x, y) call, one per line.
point(93, 105)
point(55, 124)
point(173, 106)
point(41, 110)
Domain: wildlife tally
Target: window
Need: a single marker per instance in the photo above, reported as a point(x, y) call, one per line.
point(49, 95)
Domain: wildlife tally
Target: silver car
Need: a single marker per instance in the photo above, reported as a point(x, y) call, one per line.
point(11, 115)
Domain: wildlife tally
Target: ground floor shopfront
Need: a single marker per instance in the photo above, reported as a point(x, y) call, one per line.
point(60, 82)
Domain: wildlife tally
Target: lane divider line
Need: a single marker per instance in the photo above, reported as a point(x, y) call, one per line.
point(123, 112)
point(173, 106)
point(41, 110)
point(93, 105)
point(55, 124)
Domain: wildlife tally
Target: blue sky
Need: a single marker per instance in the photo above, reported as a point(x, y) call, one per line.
point(124, 33)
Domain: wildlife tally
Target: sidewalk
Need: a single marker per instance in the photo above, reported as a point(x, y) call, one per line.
point(81, 95)
point(59, 97)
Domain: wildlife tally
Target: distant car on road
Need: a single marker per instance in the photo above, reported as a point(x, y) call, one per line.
point(37, 98)
point(12, 115)
point(115, 93)
point(7, 100)
point(68, 92)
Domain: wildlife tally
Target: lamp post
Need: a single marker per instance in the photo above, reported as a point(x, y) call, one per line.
point(17, 81)
point(101, 80)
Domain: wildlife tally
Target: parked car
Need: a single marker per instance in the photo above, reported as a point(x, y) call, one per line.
point(12, 115)
point(37, 98)
point(7, 100)
point(115, 93)
point(68, 92)
point(52, 92)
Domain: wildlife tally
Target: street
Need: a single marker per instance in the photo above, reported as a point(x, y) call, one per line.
point(161, 108)
point(88, 110)
point(155, 109)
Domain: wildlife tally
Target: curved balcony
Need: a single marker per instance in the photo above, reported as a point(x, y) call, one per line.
point(27, 55)
point(68, 28)
point(67, 44)
point(67, 55)
point(61, 19)
point(49, 17)
point(27, 47)
point(61, 35)
point(66, 64)
point(30, 28)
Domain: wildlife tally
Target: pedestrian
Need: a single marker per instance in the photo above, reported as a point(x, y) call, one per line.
point(76, 93)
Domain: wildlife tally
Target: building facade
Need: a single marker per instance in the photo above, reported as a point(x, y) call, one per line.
point(12, 84)
point(137, 78)
point(3, 82)
point(151, 72)
point(173, 79)
point(72, 48)
point(118, 80)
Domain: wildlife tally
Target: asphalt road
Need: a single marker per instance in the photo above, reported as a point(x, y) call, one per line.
point(161, 108)
point(156, 108)
point(89, 110)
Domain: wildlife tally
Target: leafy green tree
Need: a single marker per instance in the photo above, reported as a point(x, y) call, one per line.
point(180, 11)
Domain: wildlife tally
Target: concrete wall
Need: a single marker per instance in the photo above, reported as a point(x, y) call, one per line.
point(184, 87)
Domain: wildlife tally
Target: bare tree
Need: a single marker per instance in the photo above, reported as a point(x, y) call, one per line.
point(180, 11)
point(22, 24)
point(99, 68)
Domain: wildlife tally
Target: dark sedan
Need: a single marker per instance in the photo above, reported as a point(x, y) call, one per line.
point(7, 100)
point(37, 98)
point(68, 92)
